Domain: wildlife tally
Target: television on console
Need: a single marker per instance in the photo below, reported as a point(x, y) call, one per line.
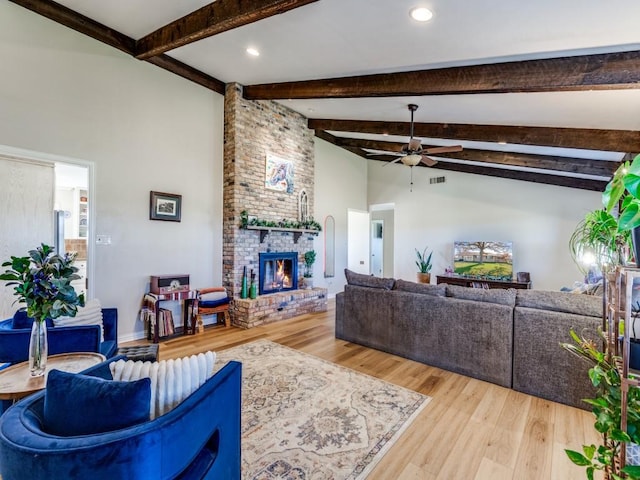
point(483, 260)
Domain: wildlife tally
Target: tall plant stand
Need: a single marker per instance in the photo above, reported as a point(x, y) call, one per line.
point(618, 308)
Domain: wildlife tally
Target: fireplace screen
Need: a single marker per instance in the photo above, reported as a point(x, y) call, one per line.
point(278, 272)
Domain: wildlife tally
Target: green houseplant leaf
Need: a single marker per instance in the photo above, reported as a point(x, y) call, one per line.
point(607, 408)
point(42, 281)
point(423, 261)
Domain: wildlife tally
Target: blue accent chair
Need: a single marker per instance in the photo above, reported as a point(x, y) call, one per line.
point(15, 333)
point(199, 439)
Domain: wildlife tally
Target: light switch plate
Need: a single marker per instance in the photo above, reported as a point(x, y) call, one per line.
point(103, 239)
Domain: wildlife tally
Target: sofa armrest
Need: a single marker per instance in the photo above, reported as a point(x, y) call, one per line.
point(14, 344)
point(110, 323)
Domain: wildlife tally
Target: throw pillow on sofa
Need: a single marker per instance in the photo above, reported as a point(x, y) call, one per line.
point(361, 280)
point(171, 380)
point(90, 314)
point(423, 288)
point(76, 404)
point(493, 295)
point(560, 302)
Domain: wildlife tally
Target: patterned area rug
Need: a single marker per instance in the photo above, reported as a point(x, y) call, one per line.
point(304, 418)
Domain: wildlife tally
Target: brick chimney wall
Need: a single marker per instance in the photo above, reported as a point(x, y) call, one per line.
point(253, 129)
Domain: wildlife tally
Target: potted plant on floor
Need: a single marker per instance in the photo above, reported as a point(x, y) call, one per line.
point(309, 260)
point(424, 265)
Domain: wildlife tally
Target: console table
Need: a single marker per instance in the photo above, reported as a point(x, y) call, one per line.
point(481, 283)
point(151, 302)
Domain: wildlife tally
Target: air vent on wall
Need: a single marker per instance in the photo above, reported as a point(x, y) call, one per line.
point(433, 180)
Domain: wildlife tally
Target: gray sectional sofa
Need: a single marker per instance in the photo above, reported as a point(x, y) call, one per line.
point(508, 337)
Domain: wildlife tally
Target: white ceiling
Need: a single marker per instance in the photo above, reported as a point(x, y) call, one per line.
point(332, 38)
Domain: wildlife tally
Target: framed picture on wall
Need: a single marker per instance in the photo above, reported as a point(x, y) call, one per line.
point(165, 206)
point(278, 174)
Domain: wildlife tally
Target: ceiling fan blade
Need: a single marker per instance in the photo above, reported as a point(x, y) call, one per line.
point(452, 148)
point(414, 144)
point(394, 161)
point(428, 161)
point(382, 152)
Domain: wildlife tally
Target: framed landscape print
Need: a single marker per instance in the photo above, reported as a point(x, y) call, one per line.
point(165, 206)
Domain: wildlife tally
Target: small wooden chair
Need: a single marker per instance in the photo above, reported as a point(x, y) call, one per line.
point(202, 306)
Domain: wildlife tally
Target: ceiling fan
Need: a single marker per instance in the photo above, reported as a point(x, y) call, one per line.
point(413, 153)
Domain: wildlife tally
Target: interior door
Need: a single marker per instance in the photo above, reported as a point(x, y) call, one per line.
point(358, 241)
point(377, 247)
point(26, 196)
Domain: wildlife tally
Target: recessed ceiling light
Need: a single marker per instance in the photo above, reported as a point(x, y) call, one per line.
point(421, 14)
point(253, 52)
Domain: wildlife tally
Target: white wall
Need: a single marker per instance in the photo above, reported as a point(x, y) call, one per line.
point(143, 128)
point(340, 184)
point(539, 219)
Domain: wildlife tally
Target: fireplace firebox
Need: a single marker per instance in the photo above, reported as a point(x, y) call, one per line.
point(278, 272)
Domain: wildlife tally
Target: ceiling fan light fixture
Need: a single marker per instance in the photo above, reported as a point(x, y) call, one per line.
point(421, 14)
point(411, 160)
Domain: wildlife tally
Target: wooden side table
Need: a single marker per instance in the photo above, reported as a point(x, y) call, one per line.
point(16, 383)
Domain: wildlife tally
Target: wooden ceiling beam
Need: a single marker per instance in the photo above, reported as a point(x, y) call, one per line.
point(547, 179)
point(586, 138)
point(69, 18)
point(63, 15)
point(606, 71)
point(217, 17)
point(185, 71)
point(584, 166)
point(544, 178)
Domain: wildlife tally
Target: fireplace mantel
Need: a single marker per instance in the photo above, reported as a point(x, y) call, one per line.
point(297, 232)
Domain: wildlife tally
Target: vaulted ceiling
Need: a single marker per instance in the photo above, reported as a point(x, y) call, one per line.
point(541, 91)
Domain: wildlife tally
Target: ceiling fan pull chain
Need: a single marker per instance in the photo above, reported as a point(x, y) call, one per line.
point(411, 184)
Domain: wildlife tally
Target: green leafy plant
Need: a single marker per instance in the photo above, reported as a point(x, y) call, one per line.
point(423, 261)
point(309, 260)
point(623, 191)
point(607, 408)
point(598, 234)
point(42, 281)
point(309, 224)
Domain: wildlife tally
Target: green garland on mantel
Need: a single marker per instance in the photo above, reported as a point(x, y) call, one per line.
point(310, 224)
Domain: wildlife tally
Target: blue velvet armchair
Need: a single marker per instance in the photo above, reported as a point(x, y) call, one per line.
point(198, 439)
point(14, 342)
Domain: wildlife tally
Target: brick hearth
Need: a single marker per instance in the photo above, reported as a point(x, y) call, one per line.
point(278, 306)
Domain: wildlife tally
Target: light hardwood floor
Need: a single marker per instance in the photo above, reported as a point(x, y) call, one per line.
point(470, 430)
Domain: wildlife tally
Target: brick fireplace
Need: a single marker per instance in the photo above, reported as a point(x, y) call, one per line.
point(253, 130)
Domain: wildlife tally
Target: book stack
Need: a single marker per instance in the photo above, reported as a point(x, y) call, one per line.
point(165, 322)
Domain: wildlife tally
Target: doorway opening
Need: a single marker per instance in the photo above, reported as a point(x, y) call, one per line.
point(382, 240)
point(71, 207)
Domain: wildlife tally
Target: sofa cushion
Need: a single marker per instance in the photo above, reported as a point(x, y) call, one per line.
point(76, 404)
point(171, 380)
point(90, 314)
point(588, 305)
point(361, 280)
point(21, 320)
point(423, 288)
point(489, 295)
